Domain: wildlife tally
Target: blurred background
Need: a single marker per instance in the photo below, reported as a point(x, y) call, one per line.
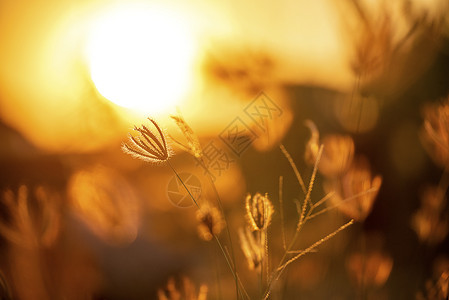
point(80, 219)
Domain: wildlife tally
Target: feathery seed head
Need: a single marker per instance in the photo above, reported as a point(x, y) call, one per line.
point(210, 222)
point(149, 145)
point(251, 249)
point(193, 144)
point(258, 211)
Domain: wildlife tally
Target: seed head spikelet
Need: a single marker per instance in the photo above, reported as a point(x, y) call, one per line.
point(258, 211)
point(193, 144)
point(251, 249)
point(149, 145)
point(210, 222)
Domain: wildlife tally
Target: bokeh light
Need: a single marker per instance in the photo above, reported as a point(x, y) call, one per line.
point(141, 56)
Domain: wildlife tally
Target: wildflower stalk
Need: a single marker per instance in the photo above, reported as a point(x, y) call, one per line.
point(261, 242)
point(220, 205)
point(239, 292)
point(234, 274)
point(194, 148)
point(304, 216)
point(183, 184)
point(152, 147)
point(281, 210)
point(295, 169)
point(217, 275)
point(283, 264)
point(312, 180)
point(310, 248)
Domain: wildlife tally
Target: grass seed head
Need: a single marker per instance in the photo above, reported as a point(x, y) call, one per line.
point(210, 222)
point(193, 143)
point(251, 249)
point(258, 211)
point(149, 145)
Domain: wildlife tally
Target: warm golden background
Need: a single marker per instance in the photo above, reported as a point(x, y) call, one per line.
point(76, 76)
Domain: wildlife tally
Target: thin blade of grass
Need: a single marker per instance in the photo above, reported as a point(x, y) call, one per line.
point(309, 191)
point(371, 190)
point(312, 247)
point(295, 169)
point(281, 210)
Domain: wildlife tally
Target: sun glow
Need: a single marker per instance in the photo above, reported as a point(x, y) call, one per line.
point(141, 57)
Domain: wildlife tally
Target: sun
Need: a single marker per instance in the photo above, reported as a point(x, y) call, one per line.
point(141, 57)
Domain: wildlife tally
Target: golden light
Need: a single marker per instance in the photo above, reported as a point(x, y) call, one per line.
point(141, 57)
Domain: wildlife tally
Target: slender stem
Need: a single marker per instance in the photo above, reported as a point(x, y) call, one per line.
point(287, 251)
point(228, 263)
point(282, 266)
point(309, 191)
point(261, 263)
point(324, 199)
point(295, 169)
point(216, 238)
point(267, 256)
point(301, 218)
point(371, 190)
point(316, 244)
point(281, 209)
point(238, 279)
point(217, 274)
point(220, 205)
point(183, 184)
